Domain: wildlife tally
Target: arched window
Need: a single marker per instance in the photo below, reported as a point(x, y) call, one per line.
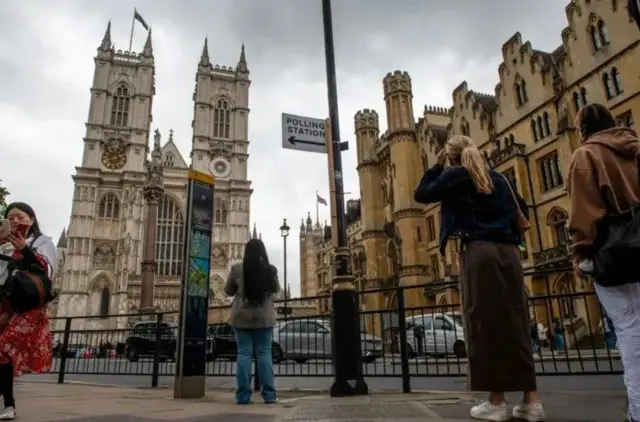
point(523, 90)
point(425, 162)
point(168, 160)
point(604, 34)
point(109, 207)
point(221, 119)
point(557, 220)
point(565, 289)
point(577, 104)
point(221, 212)
point(169, 238)
point(120, 107)
point(105, 301)
point(534, 131)
point(519, 96)
point(547, 123)
point(596, 41)
point(512, 139)
point(540, 127)
point(617, 80)
point(609, 89)
point(583, 96)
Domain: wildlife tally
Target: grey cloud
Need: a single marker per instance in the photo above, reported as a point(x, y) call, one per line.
point(46, 68)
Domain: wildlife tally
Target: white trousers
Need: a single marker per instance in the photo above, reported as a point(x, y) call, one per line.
point(622, 304)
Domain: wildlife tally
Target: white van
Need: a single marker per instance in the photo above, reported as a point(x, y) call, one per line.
point(435, 334)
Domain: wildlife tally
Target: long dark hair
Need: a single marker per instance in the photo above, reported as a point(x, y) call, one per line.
point(26, 208)
point(260, 278)
point(594, 118)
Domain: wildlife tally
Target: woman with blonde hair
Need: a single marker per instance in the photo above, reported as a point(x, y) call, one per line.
point(482, 209)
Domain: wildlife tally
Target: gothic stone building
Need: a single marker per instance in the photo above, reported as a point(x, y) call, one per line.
point(101, 251)
point(525, 130)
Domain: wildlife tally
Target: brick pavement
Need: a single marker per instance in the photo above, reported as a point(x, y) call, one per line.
point(49, 402)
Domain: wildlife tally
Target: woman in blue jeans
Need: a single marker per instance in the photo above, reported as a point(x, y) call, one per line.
point(253, 284)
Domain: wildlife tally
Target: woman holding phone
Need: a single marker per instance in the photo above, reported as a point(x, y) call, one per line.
point(481, 208)
point(25, 340)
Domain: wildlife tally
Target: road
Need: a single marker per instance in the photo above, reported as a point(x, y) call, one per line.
point(384, 374)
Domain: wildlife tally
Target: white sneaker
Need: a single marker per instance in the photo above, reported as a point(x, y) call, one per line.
point(8, 414)
point(529, 412)
point(489, 412)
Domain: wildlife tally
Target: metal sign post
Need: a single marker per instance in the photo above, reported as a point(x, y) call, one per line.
point(192, 334)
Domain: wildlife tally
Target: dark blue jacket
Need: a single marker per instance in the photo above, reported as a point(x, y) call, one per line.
point(468, 214)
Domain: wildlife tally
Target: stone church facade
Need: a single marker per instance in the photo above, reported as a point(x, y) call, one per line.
point(100, 254)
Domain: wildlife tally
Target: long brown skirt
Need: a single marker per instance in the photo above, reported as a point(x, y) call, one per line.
point(495, 318)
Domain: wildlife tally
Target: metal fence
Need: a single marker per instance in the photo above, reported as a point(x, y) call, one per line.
point(398, 340)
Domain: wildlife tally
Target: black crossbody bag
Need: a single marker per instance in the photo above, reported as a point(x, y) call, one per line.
point(617, 247)
point(28, 285)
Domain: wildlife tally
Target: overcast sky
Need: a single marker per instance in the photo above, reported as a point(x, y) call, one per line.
point(46, 69)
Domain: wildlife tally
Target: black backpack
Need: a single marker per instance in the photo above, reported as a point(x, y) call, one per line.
point(28, 285)
point(617, 248)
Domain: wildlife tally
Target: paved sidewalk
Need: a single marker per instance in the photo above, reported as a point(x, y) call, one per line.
point(49, 402)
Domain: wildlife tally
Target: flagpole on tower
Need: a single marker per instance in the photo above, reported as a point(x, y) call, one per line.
point(317, 209)
point(133, 24)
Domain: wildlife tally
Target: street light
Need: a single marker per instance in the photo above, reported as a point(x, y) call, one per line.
point(284, 232)
point(347, 353)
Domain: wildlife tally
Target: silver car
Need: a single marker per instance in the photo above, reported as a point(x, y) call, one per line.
point(302, 340)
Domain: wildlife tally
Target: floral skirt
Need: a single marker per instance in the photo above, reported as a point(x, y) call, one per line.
point(26, 341)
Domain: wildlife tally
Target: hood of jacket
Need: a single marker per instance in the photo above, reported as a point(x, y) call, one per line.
point(623, 141)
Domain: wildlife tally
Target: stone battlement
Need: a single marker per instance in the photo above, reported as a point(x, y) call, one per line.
point(366, 119)
point(397, 81)
point(440, 111)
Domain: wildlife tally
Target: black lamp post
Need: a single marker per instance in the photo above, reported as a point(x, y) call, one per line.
point(347, 353)
point(284, 232)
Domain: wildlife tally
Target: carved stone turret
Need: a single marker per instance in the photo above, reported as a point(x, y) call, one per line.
point(152, 191)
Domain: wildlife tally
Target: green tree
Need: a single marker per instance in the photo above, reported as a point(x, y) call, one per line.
point(4, 193)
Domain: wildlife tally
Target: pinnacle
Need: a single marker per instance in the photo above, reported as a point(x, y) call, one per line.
point(105, 45)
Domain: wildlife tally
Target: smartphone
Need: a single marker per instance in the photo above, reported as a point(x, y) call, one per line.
point(22, 229)
point(5, 228)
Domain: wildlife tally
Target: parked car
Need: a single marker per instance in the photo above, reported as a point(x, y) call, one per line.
point(435, 334)
point(302, 340)
point(74, 351)
point(225, 341)
point(142, 341)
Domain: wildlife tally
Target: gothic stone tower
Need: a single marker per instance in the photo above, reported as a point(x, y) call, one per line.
point(104, 234)
point(220, 147)
point(374, 239)
point(408, 216)
point(310, 236)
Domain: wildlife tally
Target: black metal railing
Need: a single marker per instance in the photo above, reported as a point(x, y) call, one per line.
point(399, 338)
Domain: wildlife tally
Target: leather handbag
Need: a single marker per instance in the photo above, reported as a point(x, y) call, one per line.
point(28, 286)
point(521, 218)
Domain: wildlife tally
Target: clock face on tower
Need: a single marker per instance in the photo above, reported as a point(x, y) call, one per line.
point(220, 168)
point(114, 156)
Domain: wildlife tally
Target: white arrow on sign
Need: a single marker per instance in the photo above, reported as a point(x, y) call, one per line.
point(303, 133)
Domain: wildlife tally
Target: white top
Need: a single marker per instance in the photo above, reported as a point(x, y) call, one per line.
point(43, 246)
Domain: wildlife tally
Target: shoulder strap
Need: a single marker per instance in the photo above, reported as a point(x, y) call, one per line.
point(513, 194)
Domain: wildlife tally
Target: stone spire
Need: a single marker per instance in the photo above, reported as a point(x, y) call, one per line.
point(62, 240)
point(170, 135)
point(301, 226)
point(254, 234)
point(309, 222)
point(147, 51)
point(106, 40)
point(205, 63)
point(242, 63)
